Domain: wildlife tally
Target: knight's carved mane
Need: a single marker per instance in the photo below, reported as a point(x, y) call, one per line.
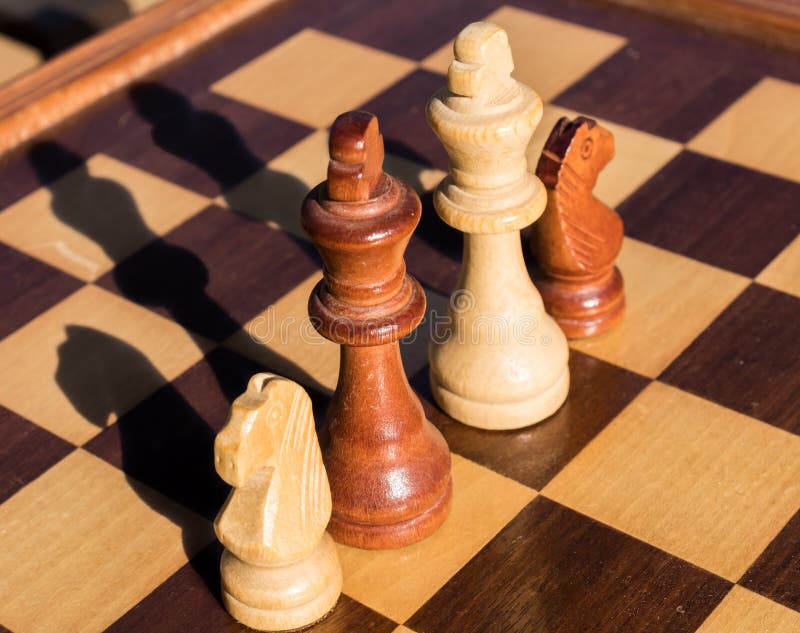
point(269, 452)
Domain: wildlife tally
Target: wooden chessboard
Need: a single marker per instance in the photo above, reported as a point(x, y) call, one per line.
point(152, 261)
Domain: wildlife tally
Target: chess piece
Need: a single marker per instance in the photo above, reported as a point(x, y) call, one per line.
point(388, 466)
point(504, 365)
point(578, 238)
point(280, 570)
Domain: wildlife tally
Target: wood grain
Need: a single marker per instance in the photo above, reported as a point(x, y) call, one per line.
point(279, 570)
point(657, 473)
point(503, 363)
point(743, 611)
point(389, 468)
point(27, 452)
point(85, 74)
point(552, 569)
point(578, 238)
point(748, 359)
point(57, 539)
point(739, 135)
point(775, 22)
point(532, 456)
point(53, 366)
point(661, 288)
point(398, 582)
point(774, 574)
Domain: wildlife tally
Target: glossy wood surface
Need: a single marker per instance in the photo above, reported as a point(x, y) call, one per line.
point(578, 238)
point(388, 467)
point(279, 569)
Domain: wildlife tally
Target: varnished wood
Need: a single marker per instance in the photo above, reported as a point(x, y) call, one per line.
point(504, 363)
point(47, 95)
point(776, 22)
point(578, 238)
point(389, 468)
point(280, 570)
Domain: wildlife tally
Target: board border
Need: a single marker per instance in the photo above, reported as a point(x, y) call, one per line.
point(47, 95)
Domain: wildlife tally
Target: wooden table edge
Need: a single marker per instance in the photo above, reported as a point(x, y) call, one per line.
point(772, 22)
point(47, 95)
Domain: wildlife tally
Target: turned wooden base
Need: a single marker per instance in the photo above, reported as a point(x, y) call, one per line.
point(585, 308)
point(498, 416)
point(286, 597)
point(393, 535)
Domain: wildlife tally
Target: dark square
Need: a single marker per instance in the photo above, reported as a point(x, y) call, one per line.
point(167, 441)
point(26, 452)
point(214, 272)
point(410, 28)
point(719, 213)
point(775, 572)
point(189, 600)
point(552, 569)
point(206, 143)
point(28, 287)
point(534, 455)
point(748, 359)
point(434, 253)
point(670, 84)
point(401, 113)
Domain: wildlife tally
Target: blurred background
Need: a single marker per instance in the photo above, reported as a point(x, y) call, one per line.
point(32, 31)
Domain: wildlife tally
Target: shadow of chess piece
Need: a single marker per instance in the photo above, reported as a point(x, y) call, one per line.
point(173, 457)
point(161, 275)
point(578, 238)
point(53, 29)
point(388, 466)
point(212, 143)
point(100, 208)
point(203, 138)
point(280, 569)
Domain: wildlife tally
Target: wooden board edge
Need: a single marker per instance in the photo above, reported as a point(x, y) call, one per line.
point(772, 22)
point(49, 94)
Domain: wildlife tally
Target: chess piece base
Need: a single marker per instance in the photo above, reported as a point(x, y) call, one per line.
point(583, 309)
point(498, 416)
point(393, 535)
point(285, 597)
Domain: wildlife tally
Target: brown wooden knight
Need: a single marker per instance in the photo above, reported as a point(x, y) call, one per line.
point(578, 238)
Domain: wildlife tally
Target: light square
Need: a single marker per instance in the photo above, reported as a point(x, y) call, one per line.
point(669, 300)
point(313, 77)
point(783, 272)
point(638, 155)
point(743, 611)
point(549, 54)
point(77, 367)
point(742, 134)
point(96, 215)
point(691, 477)
point(283, 339)
point(275, 194)
point(398, 582)
point(82, 544)
point(17, 58)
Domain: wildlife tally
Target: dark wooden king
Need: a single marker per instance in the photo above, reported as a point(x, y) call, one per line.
point(389, 468)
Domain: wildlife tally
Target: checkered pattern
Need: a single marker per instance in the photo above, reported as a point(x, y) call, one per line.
point(153, 261)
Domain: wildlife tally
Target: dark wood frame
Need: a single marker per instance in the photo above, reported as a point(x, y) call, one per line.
point(50, 93)
point(773, 22)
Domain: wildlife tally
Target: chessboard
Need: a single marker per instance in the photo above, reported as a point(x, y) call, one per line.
point(152, 260)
